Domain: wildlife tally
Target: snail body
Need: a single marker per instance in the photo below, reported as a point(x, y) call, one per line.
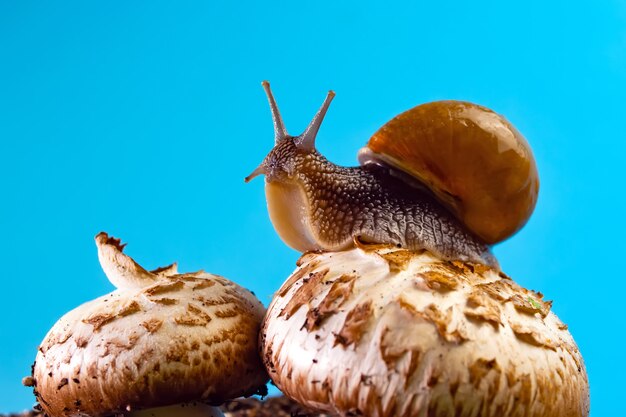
point(316, 205)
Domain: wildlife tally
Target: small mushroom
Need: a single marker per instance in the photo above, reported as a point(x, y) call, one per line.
point(163, 343)
point(380, 331)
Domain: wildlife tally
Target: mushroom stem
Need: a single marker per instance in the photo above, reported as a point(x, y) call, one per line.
point(194, 409)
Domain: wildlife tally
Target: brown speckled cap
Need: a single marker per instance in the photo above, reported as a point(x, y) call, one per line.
point(385, 332)
point(160, 338)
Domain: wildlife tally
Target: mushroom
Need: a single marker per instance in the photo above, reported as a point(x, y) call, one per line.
point(163, 343)
point(380, 331)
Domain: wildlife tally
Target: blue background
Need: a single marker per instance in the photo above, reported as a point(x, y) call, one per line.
point(142, 118)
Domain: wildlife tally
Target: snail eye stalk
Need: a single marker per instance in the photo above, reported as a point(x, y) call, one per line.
point(306, 141)
point(280, 132)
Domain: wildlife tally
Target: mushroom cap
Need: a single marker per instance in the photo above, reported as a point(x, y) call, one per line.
point(161, 338)
point(380, 331)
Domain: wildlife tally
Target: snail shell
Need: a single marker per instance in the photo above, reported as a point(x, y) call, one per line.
point(472, 159)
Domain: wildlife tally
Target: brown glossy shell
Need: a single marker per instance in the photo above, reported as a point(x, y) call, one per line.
point(472, 159)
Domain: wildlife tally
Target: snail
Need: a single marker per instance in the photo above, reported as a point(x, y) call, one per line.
point(450, 177)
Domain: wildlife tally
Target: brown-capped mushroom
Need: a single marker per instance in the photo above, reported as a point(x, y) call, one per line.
point(163, 343)
point(379, 331)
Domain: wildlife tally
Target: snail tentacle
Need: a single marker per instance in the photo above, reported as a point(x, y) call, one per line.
point(306, 141)
point(280, 132)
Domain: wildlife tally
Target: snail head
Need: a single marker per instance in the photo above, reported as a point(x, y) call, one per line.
point(282, 159)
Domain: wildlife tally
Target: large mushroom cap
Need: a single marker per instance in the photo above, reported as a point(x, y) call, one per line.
point(160, 338)
point(384, 332)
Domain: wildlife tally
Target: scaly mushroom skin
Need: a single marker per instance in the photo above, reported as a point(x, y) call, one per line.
point(385, 332)
point(159, 339)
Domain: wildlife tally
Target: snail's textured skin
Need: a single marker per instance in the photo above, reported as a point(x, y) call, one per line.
point(384, 332)
point(338, 204)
